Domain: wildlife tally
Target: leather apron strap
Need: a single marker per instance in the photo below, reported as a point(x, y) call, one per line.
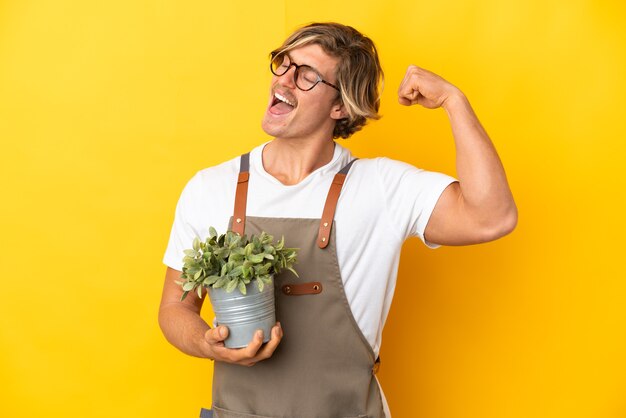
point(241, 195)
point(326, 223)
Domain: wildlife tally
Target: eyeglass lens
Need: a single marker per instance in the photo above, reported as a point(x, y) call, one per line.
point(305, 77)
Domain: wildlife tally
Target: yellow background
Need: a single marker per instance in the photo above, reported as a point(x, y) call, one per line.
point(108, 108)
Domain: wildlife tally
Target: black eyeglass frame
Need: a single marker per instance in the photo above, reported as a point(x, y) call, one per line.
point(295, 73)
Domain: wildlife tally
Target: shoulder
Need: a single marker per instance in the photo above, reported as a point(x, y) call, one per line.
point(211, 181)
point(383, 167)
point(219, 172)
point(385, 163)
point(394, 171)
point(381, 173)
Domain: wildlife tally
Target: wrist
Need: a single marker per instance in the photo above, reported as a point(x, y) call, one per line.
point(455, 99)
point(200, 346)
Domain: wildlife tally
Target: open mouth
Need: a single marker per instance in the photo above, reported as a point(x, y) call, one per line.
point(281, 105)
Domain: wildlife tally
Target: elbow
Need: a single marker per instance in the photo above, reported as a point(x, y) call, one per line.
point(493, 227)
point(162, 320)
point(504, 225)
point(510, 221)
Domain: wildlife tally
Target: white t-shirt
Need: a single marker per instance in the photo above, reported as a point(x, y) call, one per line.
point(382, 203)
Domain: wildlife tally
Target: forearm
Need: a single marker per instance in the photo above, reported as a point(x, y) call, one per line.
point(484, 187)
point(184, 329)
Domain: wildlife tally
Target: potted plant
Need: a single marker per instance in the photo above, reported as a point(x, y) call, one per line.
point(238, 273)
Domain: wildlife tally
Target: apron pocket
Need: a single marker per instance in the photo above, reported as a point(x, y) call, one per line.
point(225, 413)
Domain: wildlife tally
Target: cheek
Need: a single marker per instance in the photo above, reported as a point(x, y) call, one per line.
point(321, 104)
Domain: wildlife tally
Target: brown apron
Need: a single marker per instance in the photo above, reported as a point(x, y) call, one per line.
point(324, 367)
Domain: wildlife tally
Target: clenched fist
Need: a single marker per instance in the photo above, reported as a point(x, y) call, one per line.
point(422, 87)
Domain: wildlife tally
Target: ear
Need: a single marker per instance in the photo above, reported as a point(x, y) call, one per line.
point(338, 111)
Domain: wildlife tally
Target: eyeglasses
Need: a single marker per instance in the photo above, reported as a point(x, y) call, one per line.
point(304, 76)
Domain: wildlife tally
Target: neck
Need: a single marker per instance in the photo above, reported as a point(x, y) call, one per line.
point(292, 160)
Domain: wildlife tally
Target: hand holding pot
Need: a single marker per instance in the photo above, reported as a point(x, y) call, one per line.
point(247, 356)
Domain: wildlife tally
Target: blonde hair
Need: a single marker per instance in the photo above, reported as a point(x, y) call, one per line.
point(359, 75)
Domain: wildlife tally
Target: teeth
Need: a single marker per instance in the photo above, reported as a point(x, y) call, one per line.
point(284, 99)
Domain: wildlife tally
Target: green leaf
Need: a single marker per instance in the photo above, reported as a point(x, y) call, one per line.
point(210, 280)
point(293, 271)
point(225, 269)
point(200, 292)
point(190, 253)
point(260, 285)
point(183, 296)
point(221, 282)
point(196, 243)
point(231, 285)
point(189, 286)
point(256, 258)
point(212, 232)
point(235, 242)
point(242, 288)
point(198, 274)
point(235, 257)
point(237, 271)
point(265, 268)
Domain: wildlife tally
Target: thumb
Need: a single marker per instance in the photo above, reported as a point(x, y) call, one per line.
point(404, 101)
point(215, 335)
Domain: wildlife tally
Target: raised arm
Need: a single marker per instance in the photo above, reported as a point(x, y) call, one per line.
point(480, 207)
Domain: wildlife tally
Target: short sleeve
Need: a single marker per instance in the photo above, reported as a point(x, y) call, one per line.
point(411, 194)
point(183, 231)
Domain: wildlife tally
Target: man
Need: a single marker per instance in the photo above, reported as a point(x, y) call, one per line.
point(343, 214)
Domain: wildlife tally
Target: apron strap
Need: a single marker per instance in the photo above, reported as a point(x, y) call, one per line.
point(241, 195)
point(206, 413)
point(326, 223)
point(241, 198)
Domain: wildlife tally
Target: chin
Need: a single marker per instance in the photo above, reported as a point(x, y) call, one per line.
point(271, 129)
